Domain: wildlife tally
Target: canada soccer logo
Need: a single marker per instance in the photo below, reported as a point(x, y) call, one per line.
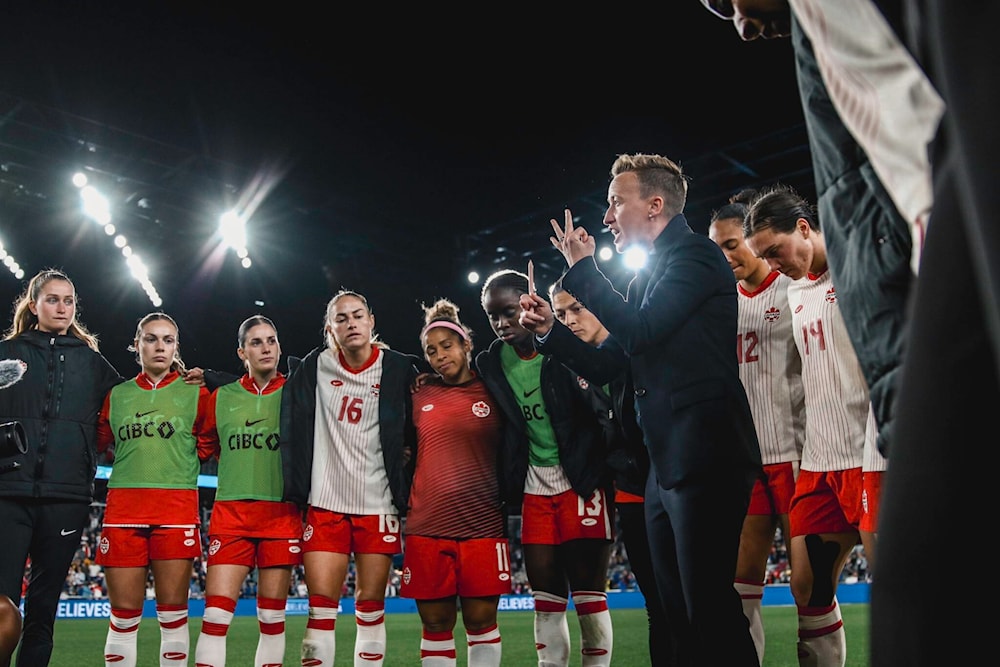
point(831, 295)
point(105, 545)
point(772, 314)
point(407, 575)
point(214, 547)
point(307, 533)
point(481, 409)
point(375, 389)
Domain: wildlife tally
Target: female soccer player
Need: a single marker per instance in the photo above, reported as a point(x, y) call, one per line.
point(770, 369)
point(250, 525)
point(456, 545)
point(346, 436)
point(155, 426)
point(826, 509)
point(556, 449)
point(46, 491)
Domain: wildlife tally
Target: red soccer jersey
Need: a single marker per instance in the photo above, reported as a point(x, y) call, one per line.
point(455, 490)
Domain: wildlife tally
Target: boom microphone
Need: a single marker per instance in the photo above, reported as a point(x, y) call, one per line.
point(12, 440)
point(11, 371)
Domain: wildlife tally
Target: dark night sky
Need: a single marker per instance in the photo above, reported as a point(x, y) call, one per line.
point(393, 138)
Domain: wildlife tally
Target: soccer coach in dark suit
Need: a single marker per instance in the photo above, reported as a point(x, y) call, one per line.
point(675, 333)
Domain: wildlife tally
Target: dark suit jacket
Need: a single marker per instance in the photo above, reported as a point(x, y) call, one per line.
point(675, 334)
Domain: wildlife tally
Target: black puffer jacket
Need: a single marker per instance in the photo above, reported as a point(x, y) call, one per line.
point(56, 402)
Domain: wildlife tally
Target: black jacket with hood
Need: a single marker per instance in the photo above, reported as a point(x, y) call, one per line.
point(56, 402)
point(580, 418)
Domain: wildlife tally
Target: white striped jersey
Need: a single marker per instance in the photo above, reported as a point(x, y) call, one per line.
point(836, 393)
point(770, 369)
point(874, 461)
point(348, 471)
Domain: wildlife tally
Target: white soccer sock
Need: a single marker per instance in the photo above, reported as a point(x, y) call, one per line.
point(271, 620)
point(822, 641)
point(369, 644)
point(484, 647)
point(319, 641)
point(123, 631)
point(210, 651)
point(751, 595)
point(175, 642)
point(596, 634)
point(551, 630)
point(437, 649)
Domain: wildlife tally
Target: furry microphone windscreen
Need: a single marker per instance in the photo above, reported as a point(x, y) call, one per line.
point(11, 371)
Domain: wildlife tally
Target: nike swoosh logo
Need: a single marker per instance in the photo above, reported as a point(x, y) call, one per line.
point(529, 393)
point(140, 415)
point(65, 532)
point(255, 421)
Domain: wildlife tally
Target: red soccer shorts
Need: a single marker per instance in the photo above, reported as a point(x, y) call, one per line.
point(351, 533)
point(440, 568)
point(826, 502)
point(871, 490)
point(135, 547)
point(251, 552)
point(776, 496)
point(566, 516)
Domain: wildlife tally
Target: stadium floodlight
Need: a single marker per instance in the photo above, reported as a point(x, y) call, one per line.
point(138, 268)
point(635, 258)
point(11, 263)
point(473, 277)
point(605, 253)
point(95, 205)
point(233, 230)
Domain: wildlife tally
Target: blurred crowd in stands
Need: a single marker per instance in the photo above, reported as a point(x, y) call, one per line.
point(85, 578)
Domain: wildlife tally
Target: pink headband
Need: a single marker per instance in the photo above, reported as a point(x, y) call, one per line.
point(446, 324)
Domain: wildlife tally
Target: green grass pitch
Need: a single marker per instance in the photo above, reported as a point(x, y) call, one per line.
point(80, 642)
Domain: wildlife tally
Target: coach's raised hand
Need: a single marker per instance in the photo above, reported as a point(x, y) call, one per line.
point(573, 242)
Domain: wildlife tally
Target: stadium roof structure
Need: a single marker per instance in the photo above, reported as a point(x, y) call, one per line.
point(394, 178)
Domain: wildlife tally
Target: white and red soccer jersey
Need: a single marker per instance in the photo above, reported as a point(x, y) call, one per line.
point(836, 393)
point(874, 461)
point(455, 491)
point(348, 471)
point(770, 369)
